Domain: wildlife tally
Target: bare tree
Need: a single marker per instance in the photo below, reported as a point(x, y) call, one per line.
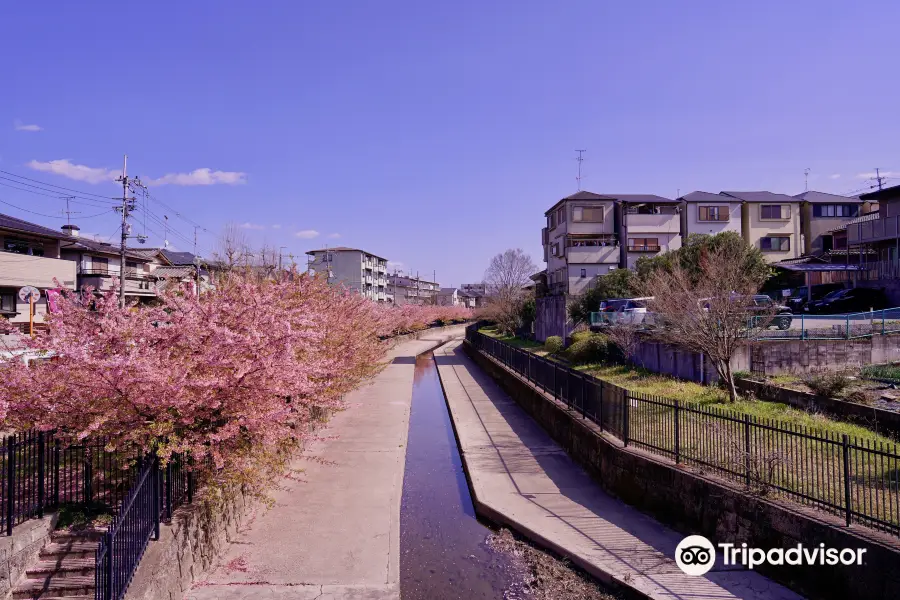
point(505, 278)
point(627, 337)
point(234, 247)
point(713, 314)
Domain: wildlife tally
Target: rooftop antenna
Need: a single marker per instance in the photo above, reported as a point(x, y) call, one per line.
point(69, 212)
point(580, 160)
point(166, 231)
point(878, 177)
point(806, 179)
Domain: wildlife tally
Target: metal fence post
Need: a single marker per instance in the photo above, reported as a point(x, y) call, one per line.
point(747, 450)
point(882, 321)
point(42, 458)
point(846, 455)
point(169, 469)
point(802, 326)
point(108, 591)
point(88, 477)
point(56, 473)
point(600, 407)
point(626, 401)
point(583, 394)
point(677, 436)
point(154, 474)
point(10, 482)
point(848, 327)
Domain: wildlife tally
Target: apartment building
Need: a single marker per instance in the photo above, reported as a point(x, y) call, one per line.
point(30, 256)
point(589, 234)
point(708, 214)
point(409, 289)
point(356, 269)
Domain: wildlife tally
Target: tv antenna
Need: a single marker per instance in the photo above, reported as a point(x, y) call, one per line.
point(580, 160)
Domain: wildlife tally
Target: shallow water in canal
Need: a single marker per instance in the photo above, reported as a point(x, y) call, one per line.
point(442, 544)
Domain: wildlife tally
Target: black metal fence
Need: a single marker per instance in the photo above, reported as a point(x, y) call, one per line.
point(38, 473)
point(858, 479)
point(153, 498)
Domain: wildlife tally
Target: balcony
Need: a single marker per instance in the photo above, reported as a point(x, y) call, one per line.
point(18, 270)
point(643, 248)
point(875, 230)
point(592, 254)
point(663, 223)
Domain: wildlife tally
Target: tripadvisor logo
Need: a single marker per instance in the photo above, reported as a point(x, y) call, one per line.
point(696, 555)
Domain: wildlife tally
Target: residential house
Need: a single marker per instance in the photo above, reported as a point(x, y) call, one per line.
point(821, 214)
point(30, 256)
point(170, 266)
point(448, 297)
point(409, 289)
point(771, 222)
point(709, 214)
point(356, 269)
point(875, 239)
point(99, 265)
point(589, 235)
point(474, 288)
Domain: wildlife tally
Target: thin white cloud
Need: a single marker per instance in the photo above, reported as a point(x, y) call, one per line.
point(835, 176)
point(873, 174)
point(65, 168)
point(20, 126)
point(394, 264)
point(276, 226)
point(254, 226)
point(202, 176)
point(307, 234)
point(334, 236)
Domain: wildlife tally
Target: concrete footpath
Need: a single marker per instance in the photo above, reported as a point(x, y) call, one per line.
point(522, 479)
point(334, 531)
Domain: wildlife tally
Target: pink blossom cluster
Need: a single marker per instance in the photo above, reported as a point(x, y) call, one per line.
point(235, 380)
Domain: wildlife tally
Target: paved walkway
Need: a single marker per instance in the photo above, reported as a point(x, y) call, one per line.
point(336, 534)
point(523, 479)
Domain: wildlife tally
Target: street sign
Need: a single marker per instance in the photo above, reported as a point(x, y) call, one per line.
point(29, 293)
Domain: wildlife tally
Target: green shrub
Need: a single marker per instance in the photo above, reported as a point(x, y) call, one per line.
point(891, 372)
point(589, 348)
point(553, 344)
point(827, 383)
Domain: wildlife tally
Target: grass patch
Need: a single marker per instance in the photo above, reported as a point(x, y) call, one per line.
point(530, 345)
point(890, 372)
point(79, 516)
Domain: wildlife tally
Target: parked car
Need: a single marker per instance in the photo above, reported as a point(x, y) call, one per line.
point(782, 316)
point(799, 298)
point(632, 310)
point(851, 300)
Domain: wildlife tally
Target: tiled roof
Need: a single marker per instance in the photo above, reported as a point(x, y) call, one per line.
point(822, 197)
point(167, 272)
point(81, 243)
point(706, 197)
point(8, 222)
point(761, 197)
point(178, 258)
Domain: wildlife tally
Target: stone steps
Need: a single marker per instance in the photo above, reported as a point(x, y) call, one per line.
point(64, 570)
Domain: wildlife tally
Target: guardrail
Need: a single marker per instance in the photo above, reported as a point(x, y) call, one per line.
point(857, 479)
point(153, 498)
point(801, 326)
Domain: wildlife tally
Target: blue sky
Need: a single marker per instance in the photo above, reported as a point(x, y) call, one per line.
point(436, 133)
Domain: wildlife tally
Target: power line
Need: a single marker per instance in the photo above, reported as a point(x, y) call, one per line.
point(53, 216)
point(56, 186)
point(52, 194)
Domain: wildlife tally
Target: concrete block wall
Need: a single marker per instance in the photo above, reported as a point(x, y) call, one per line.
point(694, 504)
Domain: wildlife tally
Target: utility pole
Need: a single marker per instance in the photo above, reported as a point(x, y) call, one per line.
point(878, 177)
point(196, 264)
point(281, 258)
point(806, 180)
point(126, 208)
point(580, 160)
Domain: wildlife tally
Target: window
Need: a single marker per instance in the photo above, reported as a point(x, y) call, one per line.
point(643, 244)
point(7, 302)
point(835, 210)
point(561, 214)
point(23, 247)
point(587, 214)
point(775, 211)
point(775, 243)
point(583, 273)
point(712, 213)
point(551, 220)
point(554, 249)
point(100, 265)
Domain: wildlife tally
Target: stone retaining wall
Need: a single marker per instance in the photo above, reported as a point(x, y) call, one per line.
point(884, 422)
point(694, 504)
point(21, 549)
